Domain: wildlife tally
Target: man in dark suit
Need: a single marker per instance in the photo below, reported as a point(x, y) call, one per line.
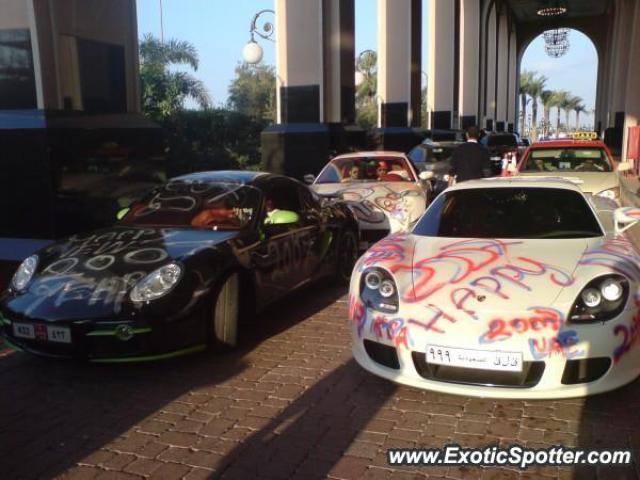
point(470, 160)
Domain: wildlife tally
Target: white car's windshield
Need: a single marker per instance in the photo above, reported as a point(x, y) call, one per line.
point(567, 160)
point(528, 213)
point(366, 169)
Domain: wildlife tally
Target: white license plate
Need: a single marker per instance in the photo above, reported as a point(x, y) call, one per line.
point(58, 334)
point(42, 332)
point(480, 359)
point(23, 330)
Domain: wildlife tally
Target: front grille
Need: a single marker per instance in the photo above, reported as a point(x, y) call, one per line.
point(585, 370)
point(529, 377)
point(382, 354)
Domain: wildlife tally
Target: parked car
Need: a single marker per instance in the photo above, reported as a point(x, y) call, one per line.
point(180, 269)
point(512, 288)
point(384, 189)
point(434, 157)
point(499, 144)
point(588, 162)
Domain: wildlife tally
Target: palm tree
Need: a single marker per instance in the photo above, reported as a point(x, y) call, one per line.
point(579, 108)
point(526, 79)
point(164, 91)
point(569, 106)
point(366, 108)
point(546, 97)
point(536, 87)
point(560, 99)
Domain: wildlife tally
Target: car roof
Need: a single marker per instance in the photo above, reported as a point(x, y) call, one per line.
point(443, 143)
point(221, 176)
point(564, 143)
point(371, 153)
point(566, 183)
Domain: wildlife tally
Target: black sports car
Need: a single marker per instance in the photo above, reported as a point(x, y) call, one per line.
point(179, 270)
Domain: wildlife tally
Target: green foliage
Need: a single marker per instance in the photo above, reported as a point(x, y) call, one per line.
point(253, 91)
point(366, 105)
point(164, 90)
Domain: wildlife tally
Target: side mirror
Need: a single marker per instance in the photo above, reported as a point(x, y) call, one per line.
point(625, 218)
point(624, 167)
point(309, 179)
point(428, 175)
point(282, 217)
point(122, 212)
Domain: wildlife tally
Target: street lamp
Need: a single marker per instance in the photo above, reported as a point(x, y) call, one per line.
point(252, 51)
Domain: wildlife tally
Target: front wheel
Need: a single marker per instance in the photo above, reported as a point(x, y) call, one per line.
point(346, 255)
point(225, 313)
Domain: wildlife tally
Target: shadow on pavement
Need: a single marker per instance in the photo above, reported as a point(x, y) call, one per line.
point(54, 413)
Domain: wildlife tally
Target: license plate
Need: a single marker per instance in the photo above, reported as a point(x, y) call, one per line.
point(42, 332)
point(480, 359)
point(24, 330)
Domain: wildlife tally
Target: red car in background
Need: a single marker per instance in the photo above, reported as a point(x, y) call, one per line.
point(584, 159)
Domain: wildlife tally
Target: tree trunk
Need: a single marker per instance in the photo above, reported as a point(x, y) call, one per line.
point(523, 113)
point(577, 120)
point(558, 123)
point(534, 118)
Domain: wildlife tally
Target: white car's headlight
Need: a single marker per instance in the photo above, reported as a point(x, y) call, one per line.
point(157, 284)
point(25, 272)
point(611, 194)
point(378, 290)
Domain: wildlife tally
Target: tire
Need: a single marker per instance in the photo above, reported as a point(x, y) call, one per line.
point(225, 313)
point(346, 256)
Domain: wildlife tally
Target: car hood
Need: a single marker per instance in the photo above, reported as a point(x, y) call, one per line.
point(401, 203)
point(589, 182)
point(489, 275)
point(88, 276)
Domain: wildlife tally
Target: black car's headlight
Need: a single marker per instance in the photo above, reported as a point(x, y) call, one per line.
point(378, 290)
point(602, 299)
point(157, 284)
point(25, 272)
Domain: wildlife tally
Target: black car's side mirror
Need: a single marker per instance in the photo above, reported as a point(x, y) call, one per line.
point(309, 178)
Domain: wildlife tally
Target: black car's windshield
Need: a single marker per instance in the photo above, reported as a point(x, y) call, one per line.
point(506, 140)
point(508, 212)
point(567, 160)
point(216, 206)
point(431, 153)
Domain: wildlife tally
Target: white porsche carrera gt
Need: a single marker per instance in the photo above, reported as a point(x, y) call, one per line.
point(513, 288)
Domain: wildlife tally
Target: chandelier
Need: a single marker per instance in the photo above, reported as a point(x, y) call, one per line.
point(556, 42)
point(552, 9)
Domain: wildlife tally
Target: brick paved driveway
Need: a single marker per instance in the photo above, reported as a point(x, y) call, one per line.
point(290, 404)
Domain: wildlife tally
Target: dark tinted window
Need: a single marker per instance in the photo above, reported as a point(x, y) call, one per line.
point(17, 80)
point(509, 213)
point(500, 140)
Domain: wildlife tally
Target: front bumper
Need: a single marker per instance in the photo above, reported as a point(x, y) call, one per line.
point(108, 340)
point(596, 363)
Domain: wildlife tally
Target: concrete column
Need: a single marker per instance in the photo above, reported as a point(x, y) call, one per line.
point(491, 69)
point(502, 91)
point(631, 106)
point(299, 60)
point(441, 101)
point(469, 62)
point(339, 45)
point(620, 65)
point(394, 62)
point(512, 90)
point(44, 54)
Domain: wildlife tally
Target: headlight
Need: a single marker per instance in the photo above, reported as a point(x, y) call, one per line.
point(602, 299)
point(611, 194)
point(378, 290)
point(157, 284)
point(25, 272)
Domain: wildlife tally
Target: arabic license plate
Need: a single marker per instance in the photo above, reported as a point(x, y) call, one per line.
point(480, 359)
point(58, 334)
point(24, 330)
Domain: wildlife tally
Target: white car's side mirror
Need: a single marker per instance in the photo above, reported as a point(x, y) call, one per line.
point(309, 178)
point(426, 175)
point(625, 218)
point(624, 167)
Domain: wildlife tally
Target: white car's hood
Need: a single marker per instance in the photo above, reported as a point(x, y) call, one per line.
point(589, 182)
point(490, 275)
point(402, 203)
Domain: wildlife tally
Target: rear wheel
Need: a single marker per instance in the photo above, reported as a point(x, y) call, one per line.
point(347, 255)
point(225, 313)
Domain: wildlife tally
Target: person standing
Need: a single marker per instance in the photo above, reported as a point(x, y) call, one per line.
point(470, 160)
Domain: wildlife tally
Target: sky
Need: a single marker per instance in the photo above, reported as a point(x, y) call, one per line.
point(219, 29)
